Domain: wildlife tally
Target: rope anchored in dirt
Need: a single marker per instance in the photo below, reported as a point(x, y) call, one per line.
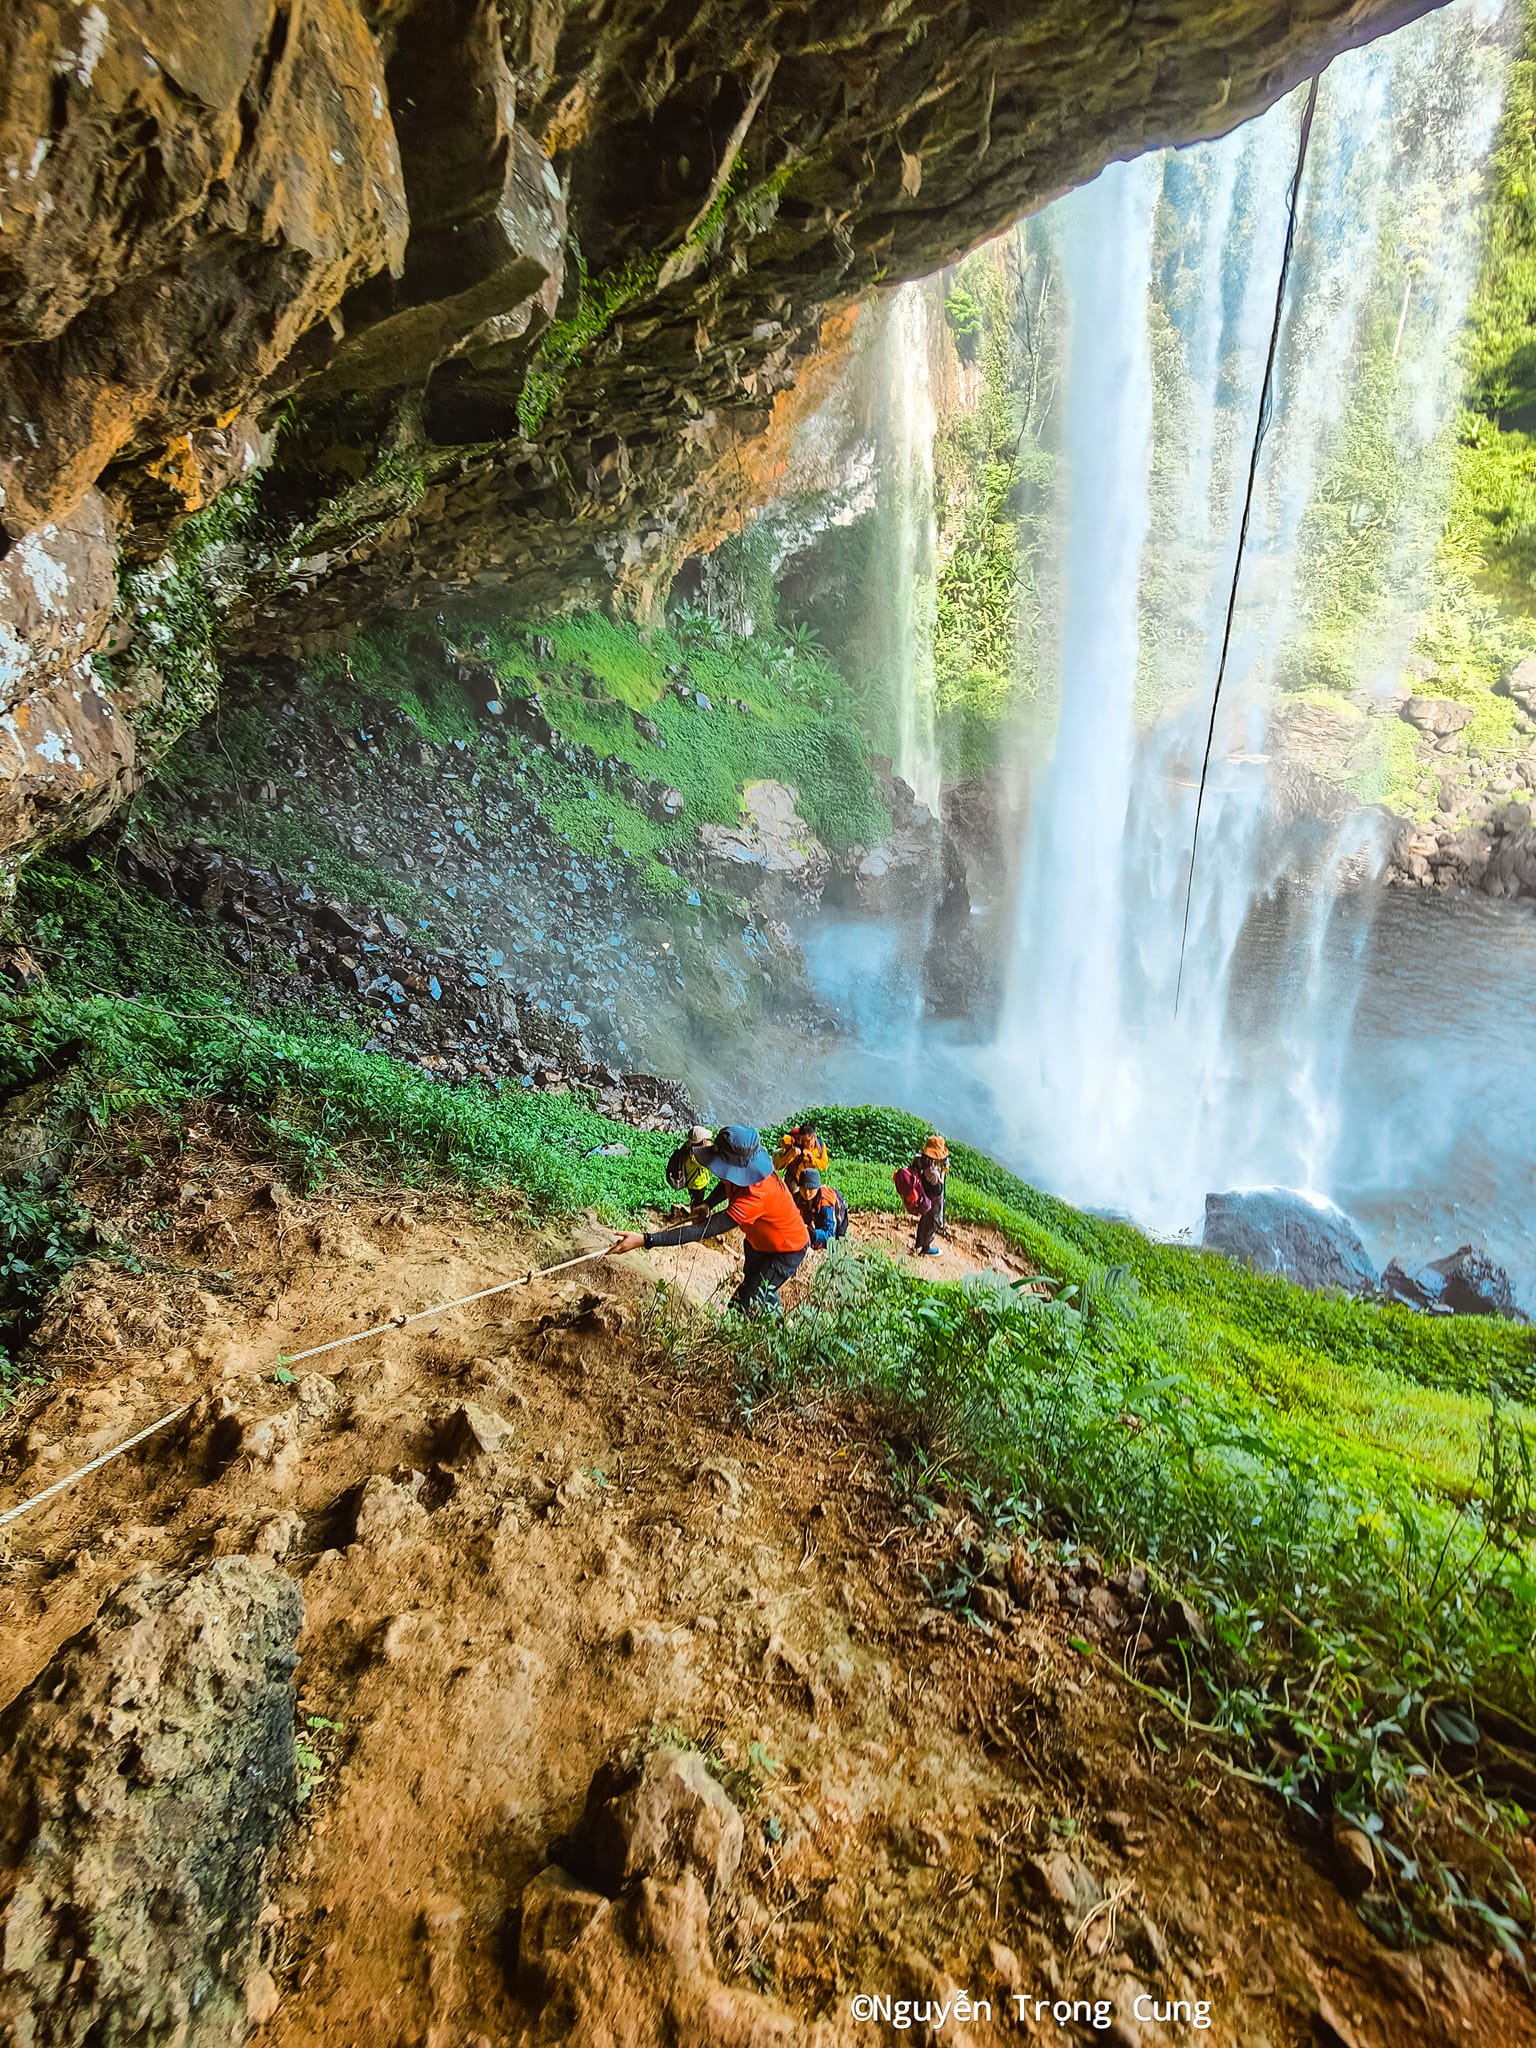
point(294, 1358)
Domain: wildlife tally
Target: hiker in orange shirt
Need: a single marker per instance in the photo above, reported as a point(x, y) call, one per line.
point(757, 1203)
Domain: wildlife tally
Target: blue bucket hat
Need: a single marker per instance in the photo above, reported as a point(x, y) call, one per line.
point(737, 1155)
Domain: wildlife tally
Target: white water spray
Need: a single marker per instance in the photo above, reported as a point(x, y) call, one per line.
point(906, 377)
point(1071, 913)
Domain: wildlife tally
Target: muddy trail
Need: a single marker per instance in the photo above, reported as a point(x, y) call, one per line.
point(628, 1709)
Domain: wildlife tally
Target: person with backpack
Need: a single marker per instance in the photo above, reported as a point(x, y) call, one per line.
point(824, 1210)
point(799, 1151)
point(921, 1188)
point(686, 1171)
point(757, 1203)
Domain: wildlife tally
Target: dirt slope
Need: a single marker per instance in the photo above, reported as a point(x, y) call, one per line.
point(928, 1801)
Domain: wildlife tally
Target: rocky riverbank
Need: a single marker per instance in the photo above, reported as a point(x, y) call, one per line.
point(1460, 774)
point(1314, 1244)
point(1491, 848)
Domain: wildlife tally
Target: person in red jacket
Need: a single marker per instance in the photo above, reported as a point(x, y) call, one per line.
point(757, 1203)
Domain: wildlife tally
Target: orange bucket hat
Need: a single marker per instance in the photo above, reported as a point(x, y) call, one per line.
point(935, 1148)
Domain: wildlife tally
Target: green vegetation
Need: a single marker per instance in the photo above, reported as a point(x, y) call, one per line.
point(600, 301)
point(993, 476)
point(1479, 612)
point(965, 322)
point(307, 1090)
point(1346, 1608)
point(177, 604)
point(794, 729)
point(563, 343)
point(977, 599)
point(42, 1234)
point(1368, 516)
point(1344, 1490)
point(1444, 527)
point(1479, 617)
point(1360, 518)
point(208, 780)
point(1494, 505)
point(1271, 1330)
point(93, 936)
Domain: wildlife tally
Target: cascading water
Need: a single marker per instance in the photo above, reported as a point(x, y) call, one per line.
point(1068, 991)
point(1110, 1097)
point(904, 373)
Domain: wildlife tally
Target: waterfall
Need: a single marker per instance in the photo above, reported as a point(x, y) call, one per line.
point(1169, 267)
point(1069, 993)
point(905, 373)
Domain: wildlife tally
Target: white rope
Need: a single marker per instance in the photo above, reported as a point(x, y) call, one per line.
point(95, 1464)
point(399, 1322)
point(357, 1337)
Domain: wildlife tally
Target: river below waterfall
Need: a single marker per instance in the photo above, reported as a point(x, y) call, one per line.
point(1421, 1121)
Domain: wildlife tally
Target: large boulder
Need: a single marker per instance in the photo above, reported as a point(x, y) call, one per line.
point(67, 749)
point(911, 869)
point(1468, 1283)
point(904, 872)
point(1520, 684)
point(615, 1932)
point(1281, 1230)
point(772, 855)
point(985, 823)
point(1438, 718)
point(658, 1819)
point(1510, 869)
point(144, 1777)
point(556, 1912)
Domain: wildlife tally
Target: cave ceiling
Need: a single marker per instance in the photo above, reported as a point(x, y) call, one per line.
point(480, 295)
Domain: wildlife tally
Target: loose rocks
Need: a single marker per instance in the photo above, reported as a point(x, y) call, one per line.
point(643, 1971)
point(473, 1433)
point(1468, 1283)
point(659, 1819)
point(1354, 1859)
point(556, 1911)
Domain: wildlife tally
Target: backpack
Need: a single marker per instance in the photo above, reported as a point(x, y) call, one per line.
point(824, 1211)
point(677, 1168)
point(910, 1188)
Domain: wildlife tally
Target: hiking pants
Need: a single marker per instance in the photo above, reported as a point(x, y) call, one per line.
point(765, 1275)
point(929, 1224)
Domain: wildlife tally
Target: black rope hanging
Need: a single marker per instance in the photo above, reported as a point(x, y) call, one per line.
point(1261, 428)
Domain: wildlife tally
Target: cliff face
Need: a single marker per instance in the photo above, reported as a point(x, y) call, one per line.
point(478, 289)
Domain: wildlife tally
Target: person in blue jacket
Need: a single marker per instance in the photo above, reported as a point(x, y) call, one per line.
point(824, 1210)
